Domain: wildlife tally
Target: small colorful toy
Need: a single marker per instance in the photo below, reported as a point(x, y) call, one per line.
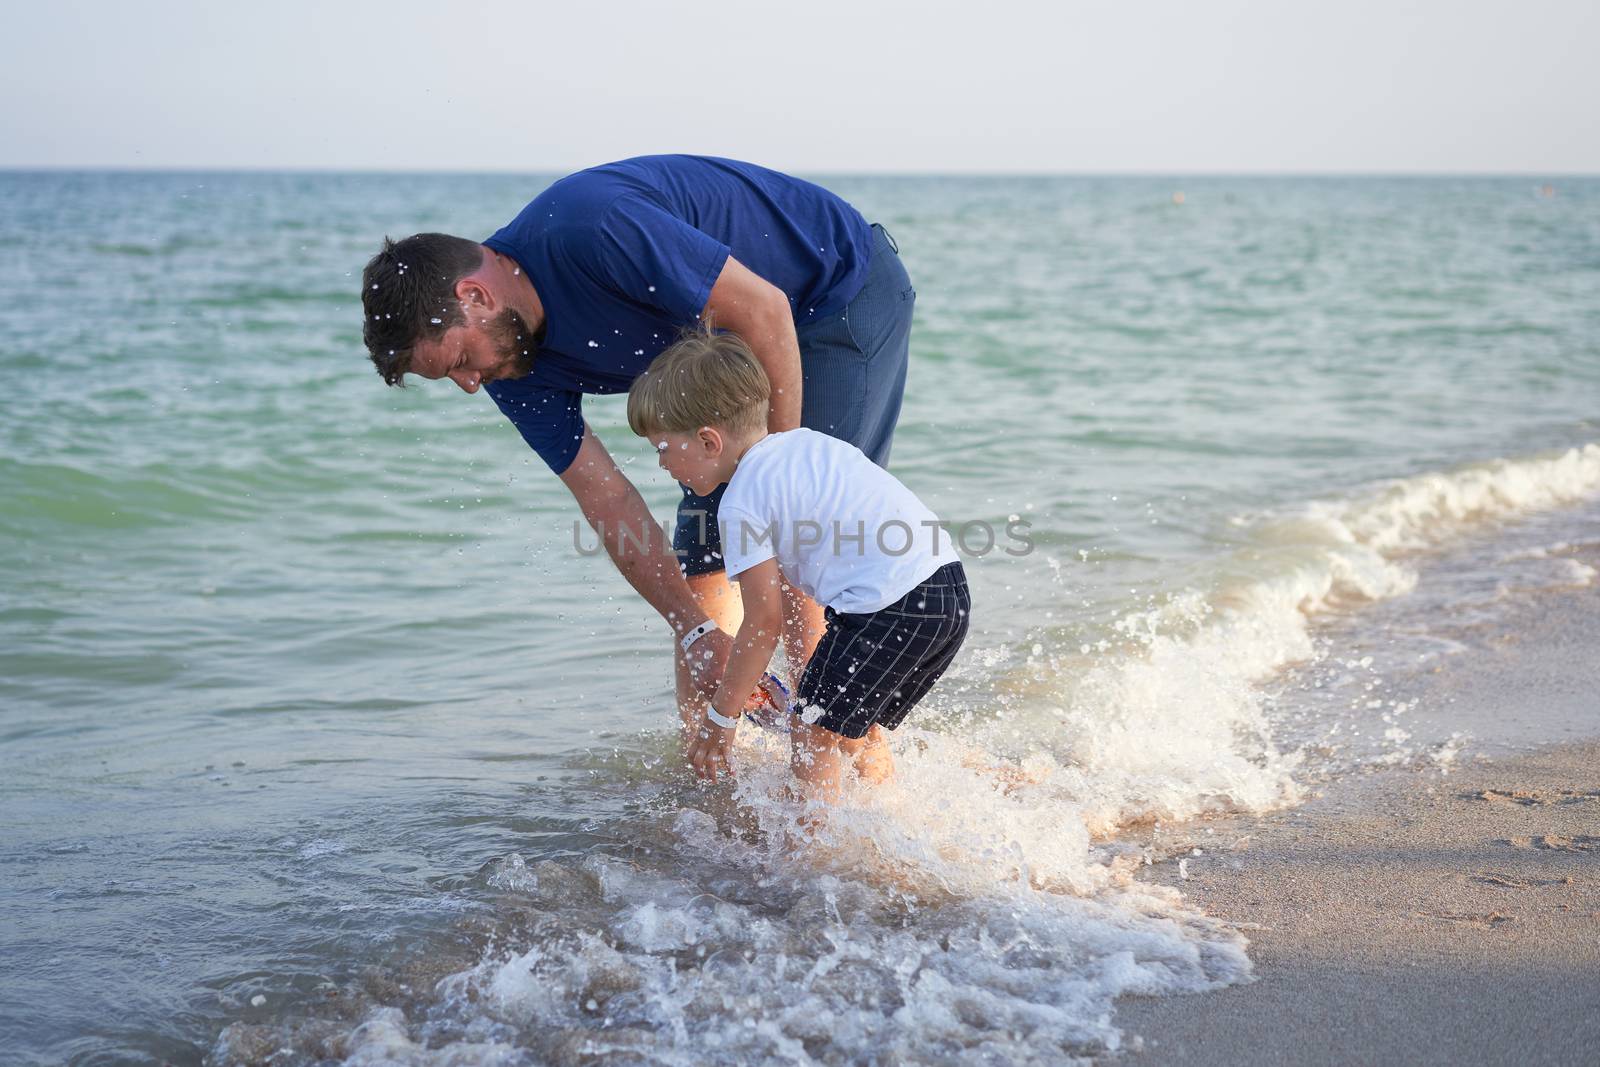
point(769, 706)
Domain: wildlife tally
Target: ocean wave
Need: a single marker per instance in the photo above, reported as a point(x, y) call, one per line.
point(1413, 513)
point(1164, 716)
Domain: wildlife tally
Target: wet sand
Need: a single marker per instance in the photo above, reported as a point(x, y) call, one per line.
point(1414, 917)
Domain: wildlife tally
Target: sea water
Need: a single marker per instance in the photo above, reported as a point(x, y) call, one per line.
point(321, 741)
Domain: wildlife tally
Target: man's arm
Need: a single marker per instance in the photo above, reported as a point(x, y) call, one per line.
point(619, 514)
point(759, 312)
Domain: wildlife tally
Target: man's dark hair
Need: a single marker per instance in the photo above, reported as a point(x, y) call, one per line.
point(408, 294)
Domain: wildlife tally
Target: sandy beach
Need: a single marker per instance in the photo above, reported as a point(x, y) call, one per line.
point(1415, 916)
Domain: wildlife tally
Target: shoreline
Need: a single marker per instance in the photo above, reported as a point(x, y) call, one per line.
point(1418, 917)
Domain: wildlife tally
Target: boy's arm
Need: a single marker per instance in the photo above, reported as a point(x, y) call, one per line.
point(753, 646)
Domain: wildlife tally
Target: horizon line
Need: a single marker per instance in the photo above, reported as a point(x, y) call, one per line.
point(126, 168)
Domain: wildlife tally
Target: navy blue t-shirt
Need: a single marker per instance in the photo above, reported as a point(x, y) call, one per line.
point(623, 257)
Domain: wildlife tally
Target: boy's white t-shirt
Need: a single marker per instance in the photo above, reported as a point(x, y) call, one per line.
point(842, 528)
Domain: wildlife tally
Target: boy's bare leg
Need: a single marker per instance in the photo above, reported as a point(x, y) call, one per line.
point(720, 600)
point(821, 759)
point(802, 629)
point(873, 761)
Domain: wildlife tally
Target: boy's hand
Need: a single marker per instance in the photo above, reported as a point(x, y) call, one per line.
point(709, 751)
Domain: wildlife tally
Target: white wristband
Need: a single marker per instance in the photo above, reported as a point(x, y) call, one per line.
point(696, 634)
point(721, 720)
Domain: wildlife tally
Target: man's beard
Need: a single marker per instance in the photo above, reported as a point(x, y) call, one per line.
point(514, 343)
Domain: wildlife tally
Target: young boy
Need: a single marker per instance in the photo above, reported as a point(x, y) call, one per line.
point(812, 511)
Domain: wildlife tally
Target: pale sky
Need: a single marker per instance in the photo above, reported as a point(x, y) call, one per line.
point(1117, 86)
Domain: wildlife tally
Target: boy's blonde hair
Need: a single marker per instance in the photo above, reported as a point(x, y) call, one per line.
point(702, 379)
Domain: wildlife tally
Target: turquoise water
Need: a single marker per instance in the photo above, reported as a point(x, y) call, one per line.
point(301, 677)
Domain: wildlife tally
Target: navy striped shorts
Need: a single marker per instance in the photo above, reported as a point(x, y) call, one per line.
point(852, 378)
point(872, 669)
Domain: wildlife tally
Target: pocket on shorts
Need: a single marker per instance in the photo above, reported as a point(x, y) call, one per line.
point(881, 311)
point(833, 381)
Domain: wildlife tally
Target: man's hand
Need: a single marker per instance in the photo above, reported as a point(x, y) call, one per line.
point(706, 660)
point(709, 752)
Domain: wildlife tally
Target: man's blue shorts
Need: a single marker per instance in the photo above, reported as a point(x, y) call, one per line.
point(853, 376)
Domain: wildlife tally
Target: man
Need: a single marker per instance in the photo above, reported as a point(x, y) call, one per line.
point(587, 285)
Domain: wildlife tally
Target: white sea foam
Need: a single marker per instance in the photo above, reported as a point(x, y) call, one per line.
point(957, 929)
point(1570, 573)
point(957, 915)
point(382, 1040)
